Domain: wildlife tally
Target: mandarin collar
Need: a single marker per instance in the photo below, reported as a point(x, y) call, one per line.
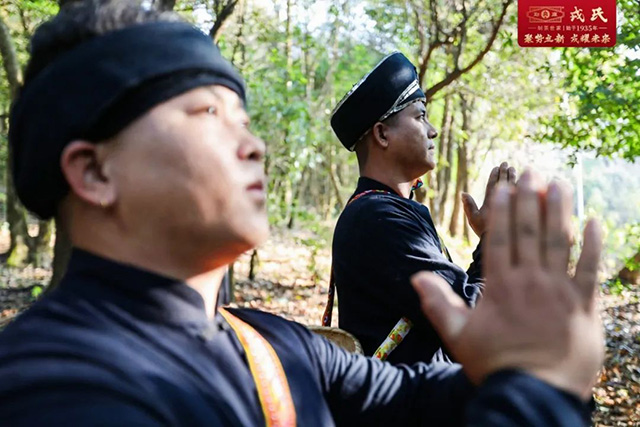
point(366, 184)
point(140, 292)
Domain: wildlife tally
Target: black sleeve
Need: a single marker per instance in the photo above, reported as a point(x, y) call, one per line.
point(406, 246)
point(82, 407)
point(364, 391)
point(515, 399)
point(53, 389)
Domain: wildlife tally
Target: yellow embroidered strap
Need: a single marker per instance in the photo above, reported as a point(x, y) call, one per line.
point(395, 337)
point(268, 374)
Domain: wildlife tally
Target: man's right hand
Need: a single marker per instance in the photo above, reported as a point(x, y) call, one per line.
point(533, 315)
point(478, 217)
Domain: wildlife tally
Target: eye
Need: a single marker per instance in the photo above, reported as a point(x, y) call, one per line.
point(212, 110)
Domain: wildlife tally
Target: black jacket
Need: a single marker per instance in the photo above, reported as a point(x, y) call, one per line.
point(380, 240)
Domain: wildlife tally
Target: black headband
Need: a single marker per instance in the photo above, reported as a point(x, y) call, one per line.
point(98, 88)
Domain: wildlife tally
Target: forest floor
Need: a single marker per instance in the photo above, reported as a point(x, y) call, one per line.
point(291, 277)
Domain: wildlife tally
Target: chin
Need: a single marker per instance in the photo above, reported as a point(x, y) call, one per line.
point(427, 167)
point(261, 235)
point(430, 163)
point(256, 231)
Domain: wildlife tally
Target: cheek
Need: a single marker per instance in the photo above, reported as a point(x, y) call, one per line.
point(176, 169)
point(210, 163)
point(417, 136)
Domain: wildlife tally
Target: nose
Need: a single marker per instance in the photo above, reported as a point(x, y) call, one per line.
point(432, 133)
point(252, 148)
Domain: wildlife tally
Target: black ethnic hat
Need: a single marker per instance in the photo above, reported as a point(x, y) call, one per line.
point(391, 86)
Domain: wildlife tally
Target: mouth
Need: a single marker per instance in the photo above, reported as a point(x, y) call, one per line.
point(257, 190)
point(258, 186)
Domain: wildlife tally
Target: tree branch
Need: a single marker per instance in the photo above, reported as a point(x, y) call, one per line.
point(457, 72)
point(9, 59)
point(223, 10)
point(419, 27)
point(424, 62)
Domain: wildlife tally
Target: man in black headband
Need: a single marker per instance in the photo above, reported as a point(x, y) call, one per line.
point(133, 131)
point(383, 237)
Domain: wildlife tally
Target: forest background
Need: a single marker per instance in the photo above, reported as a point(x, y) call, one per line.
point(571, 113)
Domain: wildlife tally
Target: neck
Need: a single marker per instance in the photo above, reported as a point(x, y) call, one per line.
point(162, 258)
point(397, 182)
point(208, 284)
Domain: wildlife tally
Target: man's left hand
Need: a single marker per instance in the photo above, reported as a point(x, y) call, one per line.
point(478, 217)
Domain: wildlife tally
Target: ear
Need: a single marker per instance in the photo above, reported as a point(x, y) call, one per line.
point(84, 170)
point(380, 134)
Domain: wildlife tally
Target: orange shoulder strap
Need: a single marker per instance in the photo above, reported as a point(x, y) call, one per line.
point(268, 374)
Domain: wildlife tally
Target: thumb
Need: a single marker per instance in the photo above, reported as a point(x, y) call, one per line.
point(469, 205)
point(446, 311)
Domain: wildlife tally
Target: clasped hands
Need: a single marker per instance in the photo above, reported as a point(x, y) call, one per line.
point(533, 316)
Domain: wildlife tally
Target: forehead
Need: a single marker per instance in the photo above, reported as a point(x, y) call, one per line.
point(417, 106)
point(413, 108)
point(226, 95)
point(218, 93)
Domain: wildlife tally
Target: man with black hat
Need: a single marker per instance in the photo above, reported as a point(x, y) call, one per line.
point(132, 129)
point(383, 237)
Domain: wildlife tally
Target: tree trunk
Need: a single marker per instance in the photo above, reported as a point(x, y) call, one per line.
point(463, 163)
point(446, 169)
point(61, 255)
point(295, 200)
point(287, 198)
point(239, 44)
point(10, 59)
point(18, 253)
point(441, 165)
point(253, 265)
point(232, 282)
point(465, 187)
point(455, 212)
point(40, 247)
point(462, 173)
point(16, 214)
point(449, 167)
point(334, 180)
